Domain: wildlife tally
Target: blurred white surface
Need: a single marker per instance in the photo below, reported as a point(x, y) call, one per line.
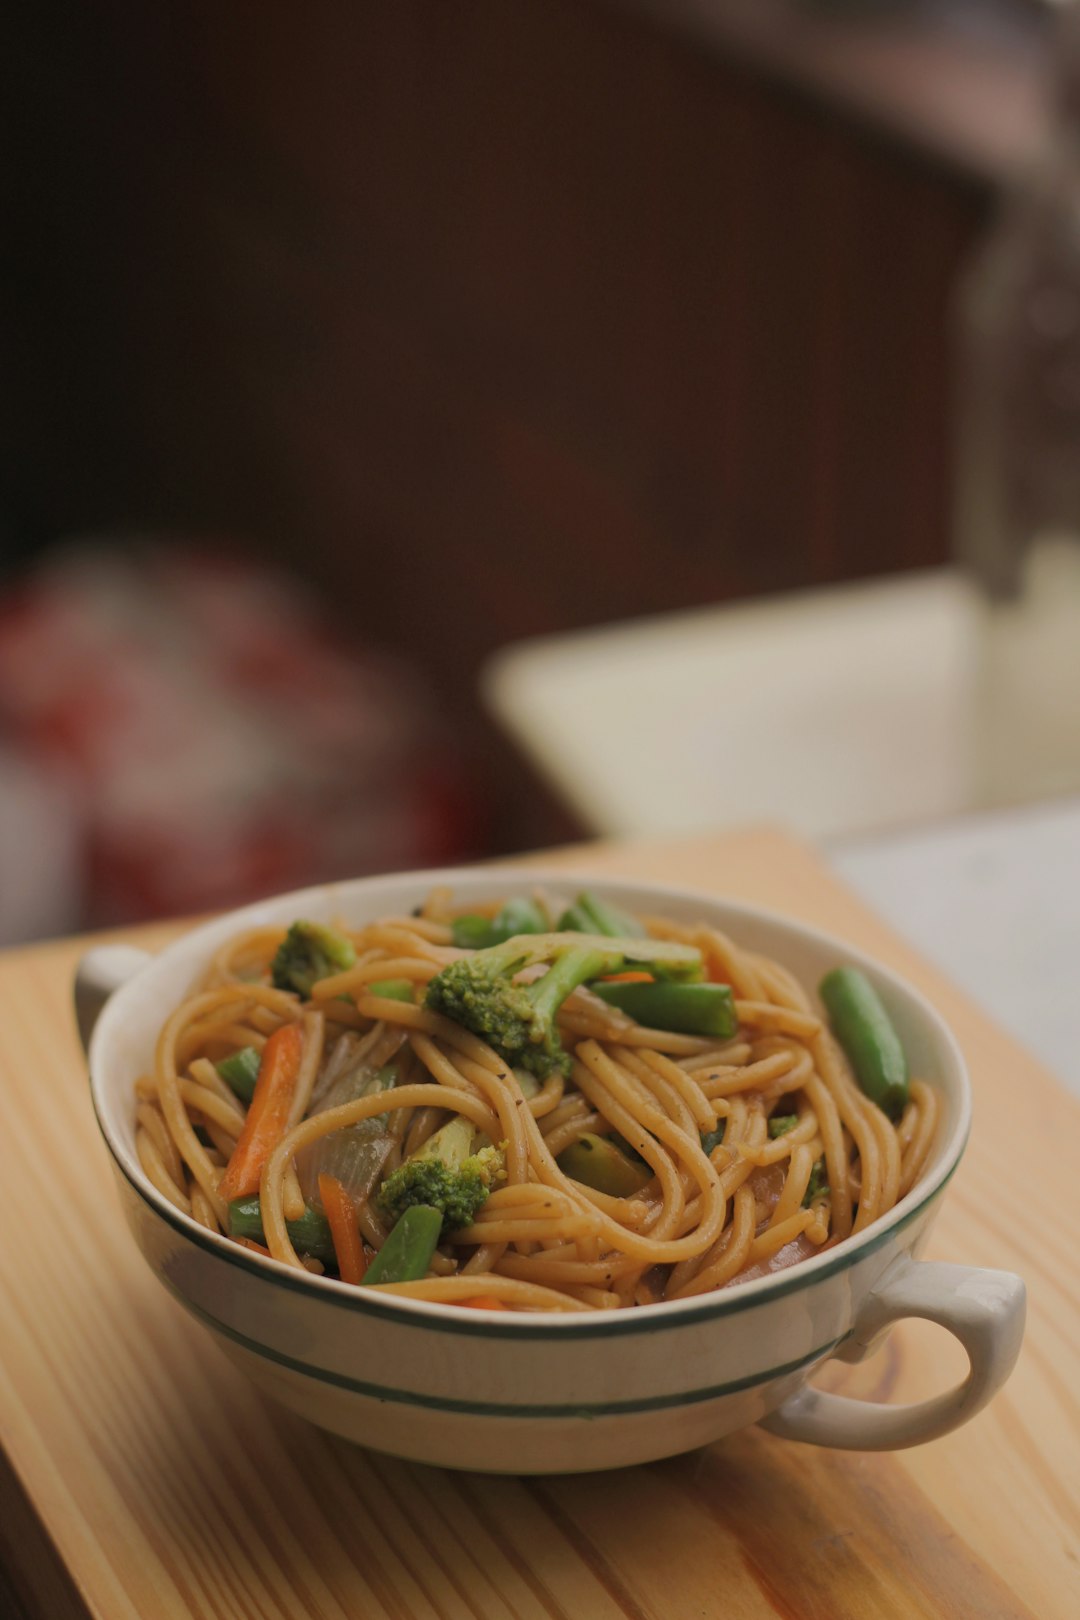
point(1029, 683)
point(993, 901)
point(833, 712)
point(830, 711)
point(882, 718)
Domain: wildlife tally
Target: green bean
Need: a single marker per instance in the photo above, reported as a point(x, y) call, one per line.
point(240, 1072)
point(309, 1235)
point(407, 1252)
point(518, 916)
point(687, 1009)
point(865, 1031)
point(575, 921)
point(591, 915)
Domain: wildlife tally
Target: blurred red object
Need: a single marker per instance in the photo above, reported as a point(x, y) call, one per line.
point(220, 738)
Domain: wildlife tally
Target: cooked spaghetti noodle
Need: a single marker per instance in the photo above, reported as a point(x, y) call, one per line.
point(751, 1153)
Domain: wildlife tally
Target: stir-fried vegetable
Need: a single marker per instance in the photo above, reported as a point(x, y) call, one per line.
point(519, 1020)
point(240, 1071)
point(310, 952)
point(268, 1117)
point(689, 1009)
point(780, 1124)
point(865, 1031)
point(454, 1171)
point(309, 1235)
point(517, 916)
point(596, 1162)
point(817, 1187)
point(341, 1218)
point(391, 989)
point(591, 915)
point(407, 1252)
point(355, 1155)
point(711, 1140)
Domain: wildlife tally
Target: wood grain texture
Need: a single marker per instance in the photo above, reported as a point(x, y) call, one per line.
point(168, 1487)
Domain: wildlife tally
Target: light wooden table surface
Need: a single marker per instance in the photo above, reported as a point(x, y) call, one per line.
point(145, 1477)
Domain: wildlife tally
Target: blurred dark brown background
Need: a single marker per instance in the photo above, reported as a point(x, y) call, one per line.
point(493, 318)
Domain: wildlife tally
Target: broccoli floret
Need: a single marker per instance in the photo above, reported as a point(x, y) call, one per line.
point(309, 952)
point(518, 1020)
point(450, 1172)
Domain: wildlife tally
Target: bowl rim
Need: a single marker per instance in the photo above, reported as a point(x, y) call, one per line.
point(458, 1319)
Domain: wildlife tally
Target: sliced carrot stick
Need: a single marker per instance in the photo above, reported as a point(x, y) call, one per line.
point(259, 1248)
point(485, 1302)
point(341, 1214)
point(634, 977)
point(268, 1117)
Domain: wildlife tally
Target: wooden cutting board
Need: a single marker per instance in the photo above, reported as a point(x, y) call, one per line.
point(145, 1478)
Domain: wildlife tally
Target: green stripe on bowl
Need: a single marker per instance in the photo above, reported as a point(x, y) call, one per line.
point(496, 1409)
point(682, 1313)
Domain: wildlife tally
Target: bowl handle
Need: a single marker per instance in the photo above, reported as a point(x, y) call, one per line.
point(984, 1309)
point(99, 973)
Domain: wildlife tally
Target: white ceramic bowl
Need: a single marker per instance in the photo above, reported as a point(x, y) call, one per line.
point(525, 1394)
